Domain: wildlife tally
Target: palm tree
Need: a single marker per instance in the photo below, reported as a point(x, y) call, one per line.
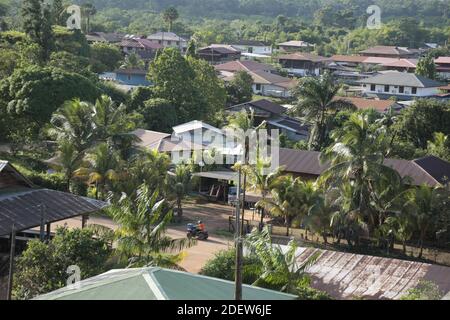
point(281, 270)
point(243, 122)
point(261, 181)
point(403, 225)
point(357, 158)
point(426, 204)
point(102, 168)
point(141, 237)
point(290, 199)
point(179, 185)
point(68, 160)
point(316, 103)
point(132, 61)
point(73, 123)
point(320, 215)
point(170, 15)
point(88, 10)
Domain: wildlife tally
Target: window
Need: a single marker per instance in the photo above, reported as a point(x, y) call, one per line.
point(386, 88)
point(258, 87)
point(373, 87)
point(414, 90)
point(401, 89)
point(129, 77)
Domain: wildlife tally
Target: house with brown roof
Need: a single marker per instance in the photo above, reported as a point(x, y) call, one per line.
point(142, 47)
point(245, 65)
point(109, 37)
point(431, 171)
point(390, 52)
point(218, 54)
point(302, 64)
point(402, 65)
point(376, 104)
point(443, 67)
point(253, 46)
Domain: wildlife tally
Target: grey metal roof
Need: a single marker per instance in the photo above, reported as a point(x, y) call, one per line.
point(263, 104)
point(23, 207)
point(402, 79)
point(431, 171)
point(219, 175)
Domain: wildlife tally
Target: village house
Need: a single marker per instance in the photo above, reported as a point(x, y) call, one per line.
point(253, 47)
point(218, 54)
point(294, 45)
point(246, 65)
point(302, 64)
point(142, 47)
point(275, 117)
point(403, 86)
point(443, 67)
point(169, 40)
point(390, 52)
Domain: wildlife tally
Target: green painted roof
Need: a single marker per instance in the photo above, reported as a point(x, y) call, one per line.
point(158, 284)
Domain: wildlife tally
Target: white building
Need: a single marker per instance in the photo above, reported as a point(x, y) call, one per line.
point(254, 47)
point(404, 86)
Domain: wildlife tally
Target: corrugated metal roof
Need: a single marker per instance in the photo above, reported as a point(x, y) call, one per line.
point(23, 208)
point(347, 275)
point(158, 284)
point(402, 79)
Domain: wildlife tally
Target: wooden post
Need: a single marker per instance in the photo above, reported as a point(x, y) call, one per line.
point(48, 231)
point(11, 262)
point(43, 218)
point(238, 238)
point(84, 219)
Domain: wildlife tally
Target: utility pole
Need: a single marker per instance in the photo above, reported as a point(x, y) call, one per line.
point(11, 262)
point(238, 239)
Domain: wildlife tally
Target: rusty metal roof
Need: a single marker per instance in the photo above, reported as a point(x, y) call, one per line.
point(347, 275)
point(430, 170)
point(24, 208)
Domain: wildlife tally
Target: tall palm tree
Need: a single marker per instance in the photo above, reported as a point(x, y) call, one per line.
point(244, 121)
point(143, 222)
point(103, 163)
point(170, 15)
point(281, 270)
point(357, 158)
point(316, 103)
point(89, 10)
point(179, 185)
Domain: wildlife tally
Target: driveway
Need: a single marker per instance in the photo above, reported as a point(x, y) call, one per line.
point(214, 216)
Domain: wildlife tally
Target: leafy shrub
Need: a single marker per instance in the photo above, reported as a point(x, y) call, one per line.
point(222, 266)
point(42, 266)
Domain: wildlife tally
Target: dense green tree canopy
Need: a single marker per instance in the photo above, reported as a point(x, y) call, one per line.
point(35, 93)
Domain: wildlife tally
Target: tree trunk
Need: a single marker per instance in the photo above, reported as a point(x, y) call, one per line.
point(243, 204)
point(179, 209)
point(287, 226)
point(261, 224)
point(325, 238)
point(422, 235)
point(404, 247)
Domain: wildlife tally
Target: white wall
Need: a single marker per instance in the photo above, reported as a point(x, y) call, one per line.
point(303, 72)
point(267, 50)
point(272, 91)
point(421, 92)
